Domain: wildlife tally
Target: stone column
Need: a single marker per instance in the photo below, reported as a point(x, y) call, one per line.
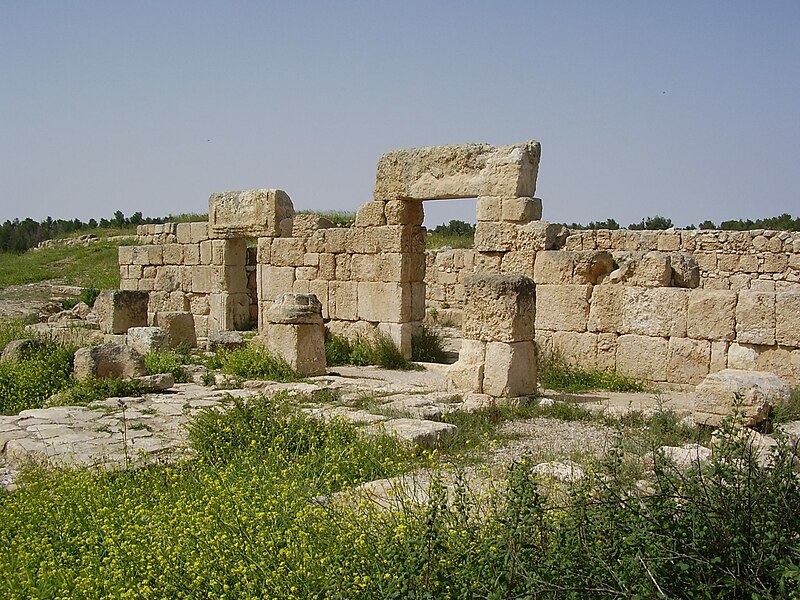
point(295, 332)
point(498, 355)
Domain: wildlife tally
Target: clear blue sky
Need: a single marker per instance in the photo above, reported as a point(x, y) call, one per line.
point(686, 109)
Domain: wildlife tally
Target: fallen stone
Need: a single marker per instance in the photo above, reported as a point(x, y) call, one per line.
point(118, 310)
point(156, 383)
point(147, 339)
point(567, 472)
point(753, 393)
point(108, 360)
point(416, 432)
point(16, 350)
point(228, 340)
point(686, 456)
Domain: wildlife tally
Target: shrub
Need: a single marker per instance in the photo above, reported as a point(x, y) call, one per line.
point(167, 362)
point(89, 294)
point(254, 362)
point(427, 345)
point(27, 383)
point(378, 349)
point(93, 388)
point(337, 350)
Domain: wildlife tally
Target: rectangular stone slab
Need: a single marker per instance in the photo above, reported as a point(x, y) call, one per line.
point(248, 213)
point(458, 171)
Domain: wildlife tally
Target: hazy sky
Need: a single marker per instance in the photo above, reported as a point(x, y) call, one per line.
point(686, 109)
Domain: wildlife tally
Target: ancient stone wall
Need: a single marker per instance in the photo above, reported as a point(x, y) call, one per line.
point(665, 306)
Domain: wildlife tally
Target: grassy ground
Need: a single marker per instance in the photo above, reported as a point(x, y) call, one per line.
point(95, 265)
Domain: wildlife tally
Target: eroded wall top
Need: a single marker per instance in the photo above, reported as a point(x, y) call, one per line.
point(458, 171)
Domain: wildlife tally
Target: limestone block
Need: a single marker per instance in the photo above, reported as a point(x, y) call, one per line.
point(553, 266)
point(784, 362)
point(302, 346)
point(273, 281)
point(510, 369)
point(168, 278)
point(146, 339)
point(668, 241)
point(292, 308)
point(108, 360)
point(658, 312)
point(343, 266)
point(198, 304)
point(605, 310)
point(338, 239)
point(516, 263)
point(178, 328)
point(688, 360)
point(642, 357)
point(458, 171)
point(762, 285)
point(577, 349)
point(305, 225)
point(191, 254)
point(719, 356)
point(755, 318)
point(787, 318)
point(287, 252)
point(203, 279)
point(183, 232)
point(494, 237)
point(707, 261)
point(125, 255)
point(404, 212)
point(264, 251)
point(365, 240)
point(753, 393)
point(306, 273)
point(343, 300)
point(685, 271)
point(607, 351)
point(499, 308)
point(206, 254)
point(301, 286)
point(118, 310)
point(371, 214)
point(489, 208)
point(591, 266)
point(521, 210)
point(327, 266)
point(198, 232)
point(742, 356)
point(146, 284)
point(488, 262)
point(562, 307)
point(400, 334)
point(539, 235)
point(384, 302)
point(711, 315)
point(417, 300)
point(140, 255)
point(398, 238)
point(467, 373)
point(774, 262)
point(249, 213)
point(653, 269)
point(173, 254)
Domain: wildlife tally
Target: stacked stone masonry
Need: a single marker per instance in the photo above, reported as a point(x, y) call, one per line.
point(669, 306)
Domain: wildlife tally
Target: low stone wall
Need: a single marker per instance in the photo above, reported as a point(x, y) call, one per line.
point(664, 306)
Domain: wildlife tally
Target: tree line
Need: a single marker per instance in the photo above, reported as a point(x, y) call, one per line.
point(783, 222)
point(18, 236)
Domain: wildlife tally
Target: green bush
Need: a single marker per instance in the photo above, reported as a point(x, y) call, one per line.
point(378, 349)
point(427, 345)
point(93, 388)
point(168, 362)
point(44, 370)
point(253, 362)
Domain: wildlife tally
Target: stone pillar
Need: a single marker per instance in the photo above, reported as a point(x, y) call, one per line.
point(295, 332)
point(498, 355)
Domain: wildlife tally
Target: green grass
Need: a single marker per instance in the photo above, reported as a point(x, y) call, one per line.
point(449, 240)
point(557, 374)
point(168, 361)
point(427, 345)
point(378, 349)
point(95, 266)
point(252, 362)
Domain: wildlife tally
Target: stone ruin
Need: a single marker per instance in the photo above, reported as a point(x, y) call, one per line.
point(664, 306)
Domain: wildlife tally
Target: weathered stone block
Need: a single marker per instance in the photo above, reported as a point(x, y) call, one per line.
point(371, 214)
point(404, 212)
point(553, 266)
point(146, 339)
point(108, 360)
point(516, 263)
point(292, 308)
point(287, 252)
point(489, 208)
point(753, 393)
point(343, 300)
point(384, 302)
point(178, 328)
point(302, 346)
point(562, 307)
point(642, 357)
point(787, 318)
point(755, 318)
point(653, 269)
point(467, 373)
point(591, 266)
point(578, 349)
point(306, 225)
point(605, 311)
point(521, 210)
point(458, 171)
point(500, 308)
point(510, 369)
point(711, 315)
point(688, 360)
point(658, 312)
point(539, 235)
point(274, 281)
point(249, 213)
point(118, 310)
point(494, 236)
point(685, 270)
